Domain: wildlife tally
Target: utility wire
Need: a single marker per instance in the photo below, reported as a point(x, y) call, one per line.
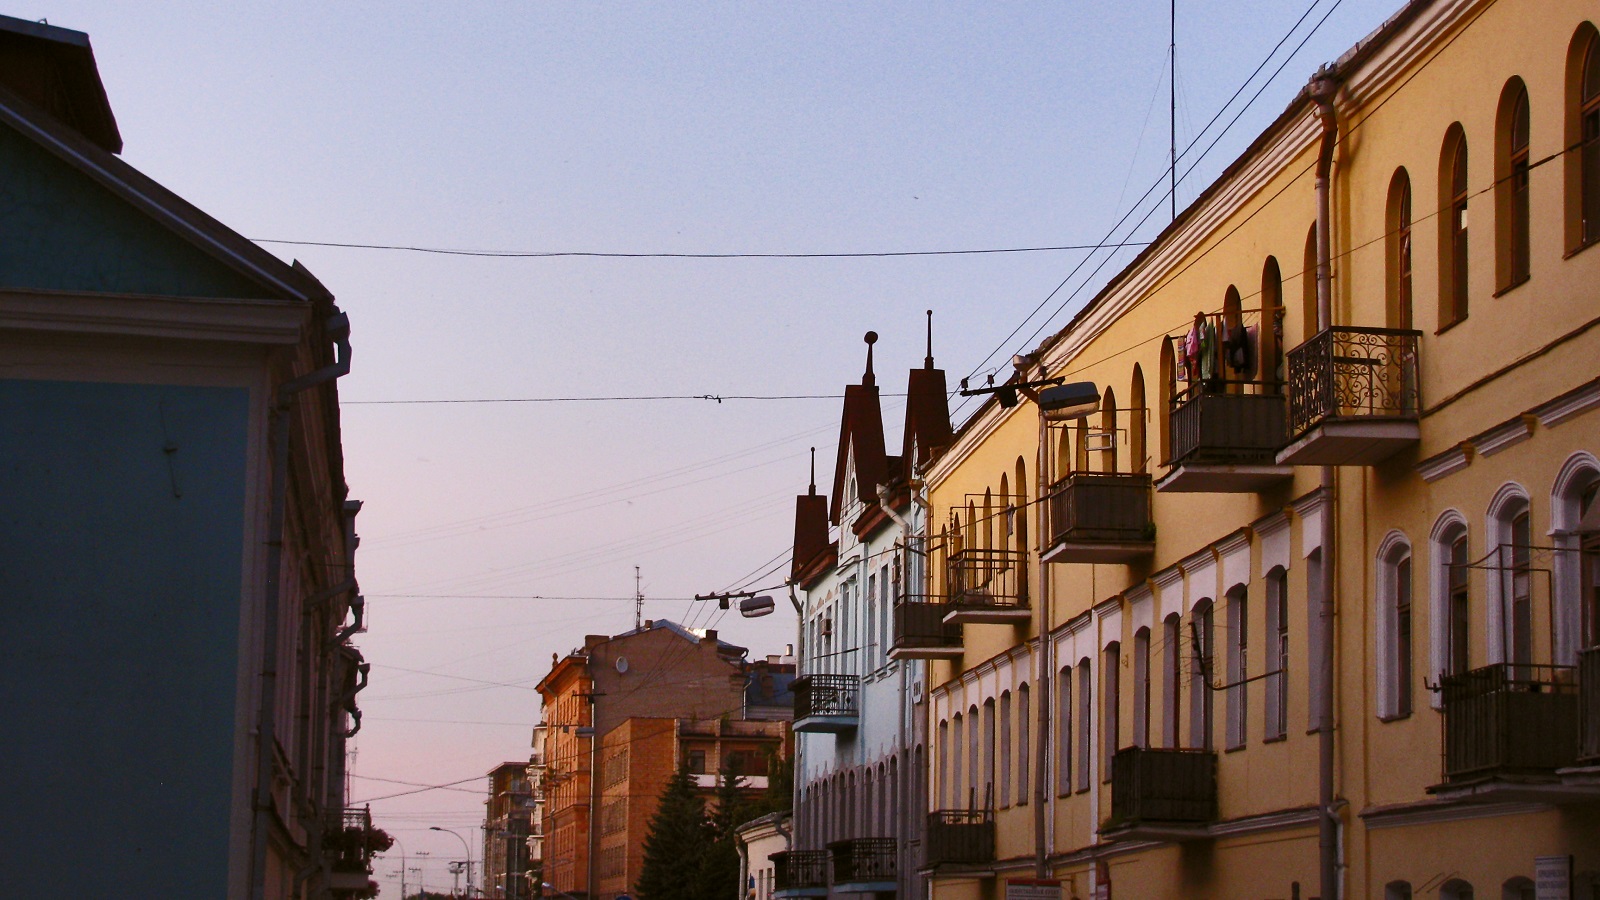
point(591, 254)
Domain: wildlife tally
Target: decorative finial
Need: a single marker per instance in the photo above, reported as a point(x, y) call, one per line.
point(813, 471)
point(867, 379)
point(927, 361)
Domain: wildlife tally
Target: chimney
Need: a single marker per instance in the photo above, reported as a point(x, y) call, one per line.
point(590, 641)
point(711, 636)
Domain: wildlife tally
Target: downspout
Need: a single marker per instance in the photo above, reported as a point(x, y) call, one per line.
point(1322, 90)
point(338, 328)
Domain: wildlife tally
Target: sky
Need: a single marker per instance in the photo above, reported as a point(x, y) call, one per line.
point(496, 534)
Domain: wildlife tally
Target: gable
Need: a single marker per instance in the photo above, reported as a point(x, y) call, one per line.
point(61, 230)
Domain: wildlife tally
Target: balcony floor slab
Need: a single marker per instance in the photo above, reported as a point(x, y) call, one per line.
point(1160, 832)
point(1554, 790)
point(827, 724)
point(1210, 478)
point(801, 892)
point(1350, 442)
point(1110, 552)
point(925, 652)
point(988, 615)
point(864, 887)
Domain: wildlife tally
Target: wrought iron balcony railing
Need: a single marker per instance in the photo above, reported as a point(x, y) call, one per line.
point(1353, 373)
point(1151, 786)
point(862, 861)
point(826, 702)
point(1509, 720)
point(1589, 698)
point(921, 632)
point(796, 870)
point(960, 836)
point(1100, 517)
point(1227, 429)
point(987, 578)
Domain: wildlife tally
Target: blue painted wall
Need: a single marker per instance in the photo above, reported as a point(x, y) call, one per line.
point(61, 230)
point(119, 588)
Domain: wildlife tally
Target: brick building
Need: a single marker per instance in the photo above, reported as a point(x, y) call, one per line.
point(508, 812)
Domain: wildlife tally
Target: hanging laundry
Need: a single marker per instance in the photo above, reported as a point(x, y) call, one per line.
point(1239, 350)
point(1208, 351)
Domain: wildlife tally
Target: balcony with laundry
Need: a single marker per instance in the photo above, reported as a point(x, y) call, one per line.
point(1225, 411)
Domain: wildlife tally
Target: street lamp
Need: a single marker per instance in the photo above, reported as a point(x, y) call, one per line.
point(550, 887)
point(465, 848)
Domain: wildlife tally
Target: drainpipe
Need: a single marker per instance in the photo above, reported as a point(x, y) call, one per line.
point(1043, 819)
point(1322, 90)
point(338, 328)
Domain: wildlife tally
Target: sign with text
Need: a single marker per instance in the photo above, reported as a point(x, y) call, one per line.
point(1033, 889)
point(1552, 877)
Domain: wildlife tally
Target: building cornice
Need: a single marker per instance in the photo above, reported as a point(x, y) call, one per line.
point(276, 322)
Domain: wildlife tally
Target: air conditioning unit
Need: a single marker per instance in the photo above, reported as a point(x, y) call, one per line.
point(826, 626)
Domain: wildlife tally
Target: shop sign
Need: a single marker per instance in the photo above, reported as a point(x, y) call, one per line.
point(1033, 889)
point(1552, 877)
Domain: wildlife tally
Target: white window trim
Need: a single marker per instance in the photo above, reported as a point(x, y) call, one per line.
point(1392, 550)
point(1576, 473)
point(1444, 532)
point(1508, 502)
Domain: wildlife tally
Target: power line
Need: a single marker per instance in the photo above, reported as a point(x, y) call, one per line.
point(653, 397)
point(594, 254)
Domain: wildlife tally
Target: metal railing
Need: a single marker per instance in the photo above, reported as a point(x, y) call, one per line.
point(919, 624)
point(347, 840)
point(1355, 373)
point(1227, 428)
point(1589, 700)
point(1109, 507)
point(795, 869)
point(1509, 719)
point(1163, 785)
point(987, 578)
point(826, 695)
point(864, 859)
point(960, 836)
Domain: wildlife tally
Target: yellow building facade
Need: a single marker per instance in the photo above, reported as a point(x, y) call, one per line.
point(1127, 691)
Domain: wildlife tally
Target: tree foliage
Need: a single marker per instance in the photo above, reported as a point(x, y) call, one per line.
point(676, 844)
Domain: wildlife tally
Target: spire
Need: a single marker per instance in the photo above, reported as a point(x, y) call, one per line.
point(927, 361)
point(813, 491)
point(867, 379)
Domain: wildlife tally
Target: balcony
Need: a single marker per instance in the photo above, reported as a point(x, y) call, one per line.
point(960, 837)
point(800, 873)
point(1100, 517)
point(1589, 711)
point(987, 586)
point(826, 703)
point(1161, 794)
point(1226, 443)
point(1508, 728)
point(920, 632)
point(349, 842)
point(1353, 397)
point(864, 865)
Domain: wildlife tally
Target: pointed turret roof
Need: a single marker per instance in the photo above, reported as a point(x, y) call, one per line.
point(927, 411)
point(860, 438)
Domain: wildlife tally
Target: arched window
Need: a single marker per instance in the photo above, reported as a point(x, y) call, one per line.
point(1511, 186)
point(944, 763)
point(1110, 705)
point(1232, 317)
point(1308, 287)
point(1397, 890)
point(1138, 460)
point(1575, 576)
point(1064, 731)
point(1004, 751)
point(1277, 653)
point(1510, 540)
point(1021, 525)
point(1451, 592)
point(988, 748)
point(988, 520)
point(1080, 460)
point(1085, 711)
point(1169, 390)
point(1024, 730)
point(1238, 665)
point(1108, 431)
point(1200, 705)
point(1141, 688)
point(1272, 359)
point(955, 791)
point(1583, 131)
point(1453, 280)
point(1518, 888)
point(1455, 889)
point(1399, 250)
point(1171, 679)
point(975, 757)
point(1394, 632)
point(1064, 455)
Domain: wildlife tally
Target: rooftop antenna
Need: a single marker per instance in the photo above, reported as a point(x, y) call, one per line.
point(927, 361)
point(1172, 102)
point(638, 602)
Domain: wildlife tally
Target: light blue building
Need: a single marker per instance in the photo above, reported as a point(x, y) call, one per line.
point(860, 700)
point(176, 540)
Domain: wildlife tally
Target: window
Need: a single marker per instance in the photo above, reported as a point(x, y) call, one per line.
point(1455, 889)
point(1397, 890)
point(1138, 455)
point(988, 748)
point(955, 794)
point(1238, 665)
point(1024, 707)
point(1399, 250)
point(1110, 683)
point(1402, 638)
point(1064, 731)
point(1459, 609)
point(1200, 703)
point(1277, 653)
point(697, 762)
point(1583, 131)
point(1314, 636)
point(1005, 749)
point(1308, 288)
point(973, 755)
point(1395, 675)
point(1085, 710)
point(1141, 688)
point(1171, 679)
point(944, 763)
point(1518, 888)
point(1511, 186)
point(1453, 229)
point(1521, 577)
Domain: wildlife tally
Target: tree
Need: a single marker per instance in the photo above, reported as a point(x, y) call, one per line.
point(719, 867)
point(676, 845)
